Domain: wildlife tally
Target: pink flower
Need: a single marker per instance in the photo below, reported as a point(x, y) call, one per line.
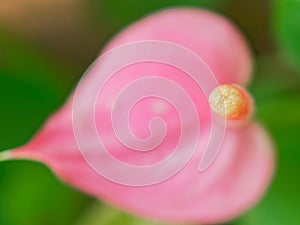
point(234, 182)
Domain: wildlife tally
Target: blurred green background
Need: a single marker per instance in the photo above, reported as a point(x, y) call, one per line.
point(46, 45)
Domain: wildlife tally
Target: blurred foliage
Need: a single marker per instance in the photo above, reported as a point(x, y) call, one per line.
point(31, 195)
point(34, 83)
point(287, 27)
point(276, 90)
point(98, 214)
point(123, 12)
point(253, 18)
point(30, 83)
point(31, 87)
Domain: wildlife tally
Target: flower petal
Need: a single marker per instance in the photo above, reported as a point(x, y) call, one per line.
point(212, 37)
point(234, 182)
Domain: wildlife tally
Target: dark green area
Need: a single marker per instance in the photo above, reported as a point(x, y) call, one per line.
point(31, 87)
point(122, 12)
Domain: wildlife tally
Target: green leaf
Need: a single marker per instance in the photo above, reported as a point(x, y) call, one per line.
point(281, 205)
point(287, 28)
point(100, 214)
point(277, 97)
point(31, 87)
point(24, 63)
point(31, 195)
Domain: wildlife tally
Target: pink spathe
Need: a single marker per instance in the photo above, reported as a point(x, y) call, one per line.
point(236, 180)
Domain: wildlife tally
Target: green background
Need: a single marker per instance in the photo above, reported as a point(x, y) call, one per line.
point(46, 46)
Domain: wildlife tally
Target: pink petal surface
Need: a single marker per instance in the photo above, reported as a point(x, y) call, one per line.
point(234, 182)
point(212, 37)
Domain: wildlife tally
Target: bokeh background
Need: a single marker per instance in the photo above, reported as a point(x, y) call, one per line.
point(46, 45)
